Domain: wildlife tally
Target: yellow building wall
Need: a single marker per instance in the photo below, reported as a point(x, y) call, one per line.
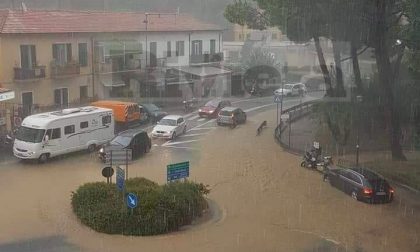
point(43, 89)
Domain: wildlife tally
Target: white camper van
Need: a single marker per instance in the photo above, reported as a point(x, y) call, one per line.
point(46, 135)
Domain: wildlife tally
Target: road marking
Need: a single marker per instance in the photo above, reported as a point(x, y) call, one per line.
point(190, 115)
point(191, 135)
point(201, 119)
point(198, 126)
point(179, 147)
point(207, 128)
point(180, 142)
point(259, 107)
point(194, 117)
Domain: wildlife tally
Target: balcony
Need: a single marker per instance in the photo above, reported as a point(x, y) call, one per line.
point(69, 68)
point(36, 72)
point(206, 58)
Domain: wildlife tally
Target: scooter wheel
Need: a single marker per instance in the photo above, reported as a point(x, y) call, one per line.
point(303, 164)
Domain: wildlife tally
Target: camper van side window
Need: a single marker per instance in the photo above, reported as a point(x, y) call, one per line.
point(56, 133)
point(69, 129)
point(84, 125)
point(106, 120)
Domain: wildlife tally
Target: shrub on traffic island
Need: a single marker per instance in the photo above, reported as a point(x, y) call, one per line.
point(161, 209)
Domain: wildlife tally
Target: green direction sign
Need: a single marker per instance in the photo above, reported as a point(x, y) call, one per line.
point(178, 171)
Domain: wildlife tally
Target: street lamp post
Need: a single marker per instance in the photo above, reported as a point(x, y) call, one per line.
point(359, 99)
point(285, 70)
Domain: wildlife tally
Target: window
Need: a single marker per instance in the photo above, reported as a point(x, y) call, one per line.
point(56, 133)
point(106, 120)
point(168, 49)
point(354, 178)
point(180, 120)
point(61, 97)
point(212, 46)
point(83, 93)
point(83, 56)
point(248, 35)
point(70, 129)
point(180, 48)
point(62, 53)
point(27, 56)
point(197, 47)
point(84, 125)
point(27, 103)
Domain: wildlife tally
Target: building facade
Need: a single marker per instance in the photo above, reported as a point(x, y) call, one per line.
point(59, 58)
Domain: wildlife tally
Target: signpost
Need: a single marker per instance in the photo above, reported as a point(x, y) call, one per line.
point(120, 178)
point(178, 171)
point(119, 157)
point(132, 200)
point(107, 172)
point(277, 100)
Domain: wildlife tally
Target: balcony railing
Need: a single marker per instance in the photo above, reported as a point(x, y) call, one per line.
point(70, 68)
point(206, 58)
point(36, 72)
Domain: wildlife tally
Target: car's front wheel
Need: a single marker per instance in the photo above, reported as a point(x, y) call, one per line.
point(43, 158)
point(173, 136)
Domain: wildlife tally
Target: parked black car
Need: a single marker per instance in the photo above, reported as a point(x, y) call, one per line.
point(134, 139)
point(154, 112)
point(361, 183)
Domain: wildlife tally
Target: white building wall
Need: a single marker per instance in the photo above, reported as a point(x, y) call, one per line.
point(163, 37)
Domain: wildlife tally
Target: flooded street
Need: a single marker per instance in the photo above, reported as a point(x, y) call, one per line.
point(266, 202)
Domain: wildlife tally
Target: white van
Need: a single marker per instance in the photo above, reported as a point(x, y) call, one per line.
point(46, 135)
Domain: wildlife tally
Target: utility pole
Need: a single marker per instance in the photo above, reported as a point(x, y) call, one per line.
point(146, 22)
point(359, 99)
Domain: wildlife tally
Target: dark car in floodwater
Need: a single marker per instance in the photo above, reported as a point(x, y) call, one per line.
point(154, 112)
point(361, 184)
point(136, 140)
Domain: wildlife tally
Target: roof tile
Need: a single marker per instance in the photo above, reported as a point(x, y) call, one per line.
point(43, 21)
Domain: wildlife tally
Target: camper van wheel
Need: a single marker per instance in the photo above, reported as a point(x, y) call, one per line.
point(43, 158)
point(91, 148)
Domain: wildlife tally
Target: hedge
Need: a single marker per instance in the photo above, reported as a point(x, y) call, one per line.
point(161, 209)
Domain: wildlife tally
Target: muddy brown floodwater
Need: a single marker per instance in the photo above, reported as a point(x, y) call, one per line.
point(266, 202)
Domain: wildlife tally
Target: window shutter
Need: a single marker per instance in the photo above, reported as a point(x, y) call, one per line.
point(55, 52)
point(33, 55)
point(69, 52)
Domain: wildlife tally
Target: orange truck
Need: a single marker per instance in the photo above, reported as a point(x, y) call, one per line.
point(125, 113)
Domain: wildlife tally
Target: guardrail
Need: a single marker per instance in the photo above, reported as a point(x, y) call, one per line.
point(294, 113)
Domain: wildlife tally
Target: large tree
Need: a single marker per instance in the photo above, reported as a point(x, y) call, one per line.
point(302, 21)
point(391, 27)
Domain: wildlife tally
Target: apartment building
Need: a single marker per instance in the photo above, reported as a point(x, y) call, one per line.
point(57, 58)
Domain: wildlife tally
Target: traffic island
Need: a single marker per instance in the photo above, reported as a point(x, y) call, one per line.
point(145, 208)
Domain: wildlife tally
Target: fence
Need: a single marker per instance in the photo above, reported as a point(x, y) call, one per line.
point(294, 113)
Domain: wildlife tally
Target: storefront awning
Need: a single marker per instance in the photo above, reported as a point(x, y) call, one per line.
point(204, 71)
point(6, 94)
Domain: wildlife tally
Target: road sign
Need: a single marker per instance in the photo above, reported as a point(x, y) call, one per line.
point(132, 200)
point(120, 178)
point(119, 156)
point(277, 98)
point(107, 172)
point(178, 171)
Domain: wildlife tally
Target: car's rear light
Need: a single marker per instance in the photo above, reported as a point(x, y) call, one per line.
point(367, 190)
point(391, 190)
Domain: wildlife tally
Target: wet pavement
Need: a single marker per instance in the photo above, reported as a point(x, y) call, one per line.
point(266, 201)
